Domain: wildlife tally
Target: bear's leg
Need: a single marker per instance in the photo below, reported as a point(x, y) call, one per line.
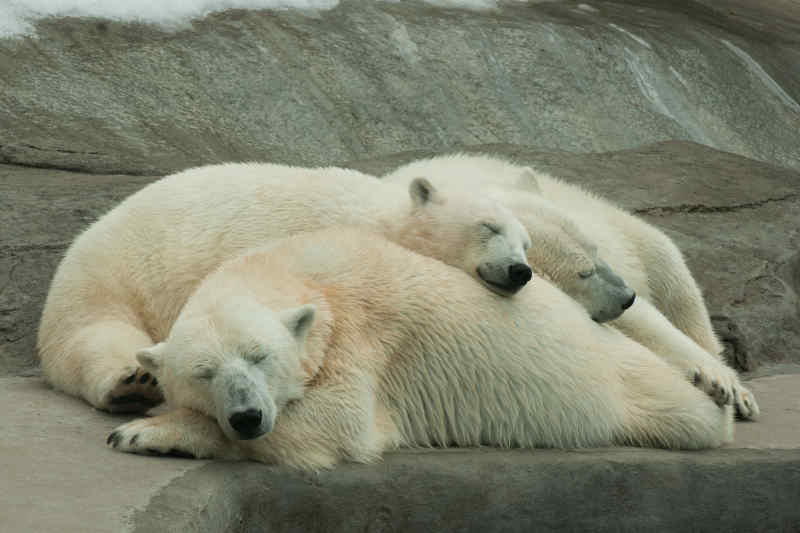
point(646, 325)
point(180, 433)
point(674, 291)
point(99, 365)
point(664, 410)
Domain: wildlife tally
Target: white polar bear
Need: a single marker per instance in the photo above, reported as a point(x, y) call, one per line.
point(571, 229)
point(123, 281)
point(338, 345)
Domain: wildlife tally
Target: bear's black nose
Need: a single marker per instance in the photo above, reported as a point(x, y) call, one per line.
point(629, 302)
point(519, 274)
point(246, 423)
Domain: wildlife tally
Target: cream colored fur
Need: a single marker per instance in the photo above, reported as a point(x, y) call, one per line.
point(403, 351)
point(123, 281)
point(566, 223)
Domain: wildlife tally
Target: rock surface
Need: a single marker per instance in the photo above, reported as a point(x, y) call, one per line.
point(59, 476)
point(378, 77)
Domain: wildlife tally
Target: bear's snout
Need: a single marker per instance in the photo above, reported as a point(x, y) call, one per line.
point(247, 423)
point(519, 274)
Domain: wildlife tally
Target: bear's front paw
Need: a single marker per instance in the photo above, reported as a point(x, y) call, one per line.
point(717, 381)
point(146, 437)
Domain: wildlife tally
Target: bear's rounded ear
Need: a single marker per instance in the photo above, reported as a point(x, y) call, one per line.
point(150, 358)
point(298, 320)
point(528, 180)
point(423, 192)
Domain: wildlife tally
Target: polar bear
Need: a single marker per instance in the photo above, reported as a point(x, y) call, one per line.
point(124, 280)
point(335, 346)
point(571, 230)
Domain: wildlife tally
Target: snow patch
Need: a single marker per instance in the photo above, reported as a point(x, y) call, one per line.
point(17, 16)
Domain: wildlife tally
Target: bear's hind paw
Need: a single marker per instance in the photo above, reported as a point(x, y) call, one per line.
point(135, 391)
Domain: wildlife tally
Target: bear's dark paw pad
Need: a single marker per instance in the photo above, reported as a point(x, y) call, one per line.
point(135, 392)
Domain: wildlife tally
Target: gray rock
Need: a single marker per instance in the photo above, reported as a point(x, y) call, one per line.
point(380, 77)
point(41, 211)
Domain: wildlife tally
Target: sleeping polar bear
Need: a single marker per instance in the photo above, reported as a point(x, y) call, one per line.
point(336, 346)
point(574, 234)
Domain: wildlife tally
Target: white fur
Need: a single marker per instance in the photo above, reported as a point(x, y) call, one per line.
point(567, 224)
point(405, 350)
point(123, 281)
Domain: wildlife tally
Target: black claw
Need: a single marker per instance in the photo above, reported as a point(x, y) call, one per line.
point(129, 379)
point(134, 439)
point(114, 439)
point(697, 378)
point(144, 377)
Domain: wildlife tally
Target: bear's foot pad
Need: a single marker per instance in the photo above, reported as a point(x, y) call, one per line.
point(135, 392)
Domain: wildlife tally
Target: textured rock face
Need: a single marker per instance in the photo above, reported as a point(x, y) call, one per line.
point(372, 77)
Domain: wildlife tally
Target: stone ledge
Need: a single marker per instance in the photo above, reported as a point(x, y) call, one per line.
point(62, 477)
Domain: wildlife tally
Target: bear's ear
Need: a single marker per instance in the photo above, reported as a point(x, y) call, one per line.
point(298, 320)
point(150, 358)
point(528, 180)
point(423, 192)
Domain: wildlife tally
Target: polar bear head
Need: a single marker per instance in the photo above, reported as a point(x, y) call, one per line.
point(234, 360)
point(474, 234)
point(565, 256)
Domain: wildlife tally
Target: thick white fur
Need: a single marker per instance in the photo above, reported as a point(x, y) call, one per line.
point(407, 351)
point(123, 281)
point(553, 210)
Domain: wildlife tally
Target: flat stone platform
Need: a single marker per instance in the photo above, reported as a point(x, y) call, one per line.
point(60, 477)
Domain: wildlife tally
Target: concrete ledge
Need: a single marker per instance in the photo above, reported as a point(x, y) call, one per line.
point(490, 490)
point(60, 476)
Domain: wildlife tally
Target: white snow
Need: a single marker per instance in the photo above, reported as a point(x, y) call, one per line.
point(17, 16)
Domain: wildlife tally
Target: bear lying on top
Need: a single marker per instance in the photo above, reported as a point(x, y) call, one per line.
point(410, 350)
point(572, 229)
